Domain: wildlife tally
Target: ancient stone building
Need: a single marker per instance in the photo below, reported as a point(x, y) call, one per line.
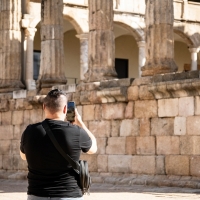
point(132, 67)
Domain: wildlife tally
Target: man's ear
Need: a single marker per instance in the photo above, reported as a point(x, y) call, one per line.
point(65, 109)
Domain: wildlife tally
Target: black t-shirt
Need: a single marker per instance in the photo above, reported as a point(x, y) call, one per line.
point(50, 175)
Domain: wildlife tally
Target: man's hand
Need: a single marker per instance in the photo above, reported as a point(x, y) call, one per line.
point(78, 120)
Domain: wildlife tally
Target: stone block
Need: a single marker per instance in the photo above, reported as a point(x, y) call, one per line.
point(92, 161)
point(113, 111)
point(129, 127)
point(4, 106)
point(194, 166)
point(18, 163)
point(160, 165)
point(18, 117)
point(115, 128)
point(116, 145)
point(101, 143)
point(27, 117)
point(145, 145)
point(19, 94)
point(17, 132)
point(36, 116)
point(180, 126)
point(197, 105)
point(102, 163)
point(146, 109)
point(15, 147)
point(119, 163)
point(80, 110)
point(5, 147)
point(189, 145)
point(133, 93)
point(186, 106)
point(19, 104)
point(145, 127)
point(100, 128)
point(168, 107)
point(167, 145)
point(0, 119)
point(6, 132)
point(7, 162)
point(98, 112)
point(144, 93)
point(88, 112)
point(130, 145)
point(143, 165)
point(129, 112)
point(1, 161)
point(27, 105)
point(177, 165)
point(193, 125)
point(6, 118)
point(162, 126)
point(142, 81)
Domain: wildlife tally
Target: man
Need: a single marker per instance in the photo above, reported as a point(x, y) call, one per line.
point(50, 176)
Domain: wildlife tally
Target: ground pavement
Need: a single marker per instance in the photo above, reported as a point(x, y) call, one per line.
point(16, 190)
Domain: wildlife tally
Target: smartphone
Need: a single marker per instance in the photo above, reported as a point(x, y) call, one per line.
point(71, 111)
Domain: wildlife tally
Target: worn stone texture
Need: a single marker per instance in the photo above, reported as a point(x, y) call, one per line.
point(119, 163)
point(186, 106)
point(88, 112)
point(162, 126)
point(160, 165)
point(144, 93)
point(194, 166)
point(130, 145)
point(115, 128)
point(18, 163)
point(129, 127)
point(145, 127)
point(17, 117)
point(116, 145)
point(101, 143)
point(197, 105)
point(133, 93)
point(146, 109)
point(113, 111)
point(36, 116)
point(129, 112)
point(180, 126)
point(102, 163)
point(193, 125)
point(6, 118)
point(7, 162)
point(177, 165)
point(5, 147)
point(168, 107)
point(145, 145)
point(143, 165)
point(6, 132)
point(98, 112)
point(100, 128)
point(92, 161)
point(167, 145)
point(15, 147)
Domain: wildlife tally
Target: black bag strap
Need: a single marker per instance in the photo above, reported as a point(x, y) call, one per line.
point(74, 164)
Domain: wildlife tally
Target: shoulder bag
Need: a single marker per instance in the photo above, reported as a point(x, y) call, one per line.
point(80, 167)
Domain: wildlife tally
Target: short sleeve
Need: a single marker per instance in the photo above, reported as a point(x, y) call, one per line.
point(85, 141)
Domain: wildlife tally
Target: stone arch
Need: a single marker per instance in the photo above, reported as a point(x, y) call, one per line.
point(136, 29)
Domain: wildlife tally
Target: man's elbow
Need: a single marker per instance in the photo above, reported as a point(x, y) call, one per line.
point(23, 156)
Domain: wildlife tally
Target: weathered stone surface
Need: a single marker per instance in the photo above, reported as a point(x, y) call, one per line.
point(102, 163)
point(100, 128)
point(113, 111)
point(130, 145)
point(116, 145)
point(162, 126)
point(15, 147)
point(160, 165)
point(4, 106)
point(6, 118)
point(189, 145)
point(36, 116)
point(17, 117)
point(194, 166)
point(0, 119)
point(143, 165)
point(129, 127)
point(88, 112)
point(186, 106)
point(133, 93)
point(193, 125)
point(17, 132)
point(92, 161)
point(18, 163)
point(27, 117)
point(177, 165)
point(167, 145)
point(7, 162)
point(168, 107)
point(118, 163)
point(146, 109)
point(19, 104)
point(129, 112)
point(144, 93)
point(145, 145)
point(5, 147)
point(145, 127)
point(180, 126)
point(115, 128)
point(1, 161)
point(98, 112)
point(6, 132)
point(101, 143)
point(197, 105)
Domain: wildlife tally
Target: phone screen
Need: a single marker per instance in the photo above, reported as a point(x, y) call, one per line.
point(70, 111)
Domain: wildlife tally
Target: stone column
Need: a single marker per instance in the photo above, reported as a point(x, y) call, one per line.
point(194, 52)
point(83, 55)
point(159, 20)
point(29, 37)
point(101, 41)
point(52, 50)
point(142, 57)
point(10, 45)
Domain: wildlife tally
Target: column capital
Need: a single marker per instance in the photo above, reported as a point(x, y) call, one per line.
point(194, 50)
point(83, 36)
point(141, 44)
point(30, 32)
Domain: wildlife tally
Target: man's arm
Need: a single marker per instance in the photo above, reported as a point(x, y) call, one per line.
point(23, 156)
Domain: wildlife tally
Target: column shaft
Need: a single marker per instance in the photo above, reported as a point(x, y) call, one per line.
point(142, 57)
point(194, 63)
